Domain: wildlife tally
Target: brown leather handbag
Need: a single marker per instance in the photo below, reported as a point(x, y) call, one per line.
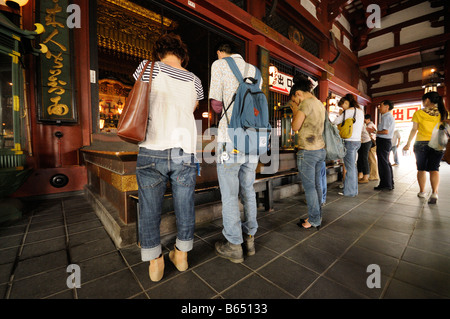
point(446, 157)
point(132, 126)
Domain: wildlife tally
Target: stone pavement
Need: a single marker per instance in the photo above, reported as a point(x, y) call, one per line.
point(396, 231)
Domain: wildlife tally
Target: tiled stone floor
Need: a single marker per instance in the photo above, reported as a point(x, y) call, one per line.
point(407, 238)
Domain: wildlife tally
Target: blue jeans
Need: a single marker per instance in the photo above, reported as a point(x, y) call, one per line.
point(153, 170)
point(309, 166)
point(236, 178)
point(351, 175)
point(323, 174)
point(427, 158)
point(394, 151)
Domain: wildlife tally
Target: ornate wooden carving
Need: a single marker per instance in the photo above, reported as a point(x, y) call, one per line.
point(128, 29)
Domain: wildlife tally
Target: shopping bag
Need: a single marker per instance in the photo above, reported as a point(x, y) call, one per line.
point(334, 144)
point(440, 136)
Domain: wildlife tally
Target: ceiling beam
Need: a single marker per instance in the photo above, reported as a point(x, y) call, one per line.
point(437, 63)
point(335, 8)
point(434, 16)
point(402, 51)
point(396, 87)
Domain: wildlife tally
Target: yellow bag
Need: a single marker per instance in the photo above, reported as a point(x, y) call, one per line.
point(346, 127)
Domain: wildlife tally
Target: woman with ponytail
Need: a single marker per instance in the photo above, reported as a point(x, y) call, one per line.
point(427, 158)
point(308, 120)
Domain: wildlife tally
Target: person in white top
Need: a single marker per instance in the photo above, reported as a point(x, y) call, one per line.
point(168, 153)
point(235, 171)
point(350, 108)
point(396, 139)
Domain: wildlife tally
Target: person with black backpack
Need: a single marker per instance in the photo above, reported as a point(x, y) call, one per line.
point(238, 146)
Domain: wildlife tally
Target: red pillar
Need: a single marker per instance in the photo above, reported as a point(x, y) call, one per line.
point(447, 76)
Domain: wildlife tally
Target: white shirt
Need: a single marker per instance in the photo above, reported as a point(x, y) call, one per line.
point(365, 136)
point(357, 126)
point(223, 86)
point(173, 97)
point(395, 138)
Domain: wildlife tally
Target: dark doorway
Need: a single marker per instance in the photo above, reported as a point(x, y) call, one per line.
point(138, 25)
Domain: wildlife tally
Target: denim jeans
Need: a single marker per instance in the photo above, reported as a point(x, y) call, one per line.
point(395, 152)
point(323, 174)
point(236, 178)
point(153, 170)
point(309, 166)
point(351, 175)
point(427, 158)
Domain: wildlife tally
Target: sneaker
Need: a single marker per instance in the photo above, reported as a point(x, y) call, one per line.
point(229, 251)
point(422, 194)
point(249, 244)
point(433, 199)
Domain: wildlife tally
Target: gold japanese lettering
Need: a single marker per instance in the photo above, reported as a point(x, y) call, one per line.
point(50, 18)
point(56, 86)
point(50, 39)
point(56, 108)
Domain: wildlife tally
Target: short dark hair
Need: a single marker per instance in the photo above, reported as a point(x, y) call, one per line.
point(227, 47)
point(367, 117)
point(301, 83)
point(388, 102)
point(171, 43)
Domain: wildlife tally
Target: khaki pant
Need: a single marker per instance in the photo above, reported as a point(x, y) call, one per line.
point(373, 164)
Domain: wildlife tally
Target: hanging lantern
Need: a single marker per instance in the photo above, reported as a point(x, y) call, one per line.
point(16, 4)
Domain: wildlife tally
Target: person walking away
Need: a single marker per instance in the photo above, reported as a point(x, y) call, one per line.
point(396, 139)
point(165, 156)
point(235, 171)
point(308, 120)
point(427, 158)
point(385, 132)
point(350, 109)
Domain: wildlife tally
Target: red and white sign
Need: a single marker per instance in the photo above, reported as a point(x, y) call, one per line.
point(404, 114)
point(280, 82)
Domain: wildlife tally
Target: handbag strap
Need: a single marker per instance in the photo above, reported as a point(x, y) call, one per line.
point(151, 72)
point(151, 77)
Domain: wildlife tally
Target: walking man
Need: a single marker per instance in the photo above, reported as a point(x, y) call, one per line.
point(396, 139)
point(235, 171)
point(384, 136)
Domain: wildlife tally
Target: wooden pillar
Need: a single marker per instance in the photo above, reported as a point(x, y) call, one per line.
point(257, 9)
point(447, 57)
point(447, 76)
point(324, 87)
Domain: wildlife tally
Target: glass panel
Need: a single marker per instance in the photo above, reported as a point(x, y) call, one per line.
point(6, 102)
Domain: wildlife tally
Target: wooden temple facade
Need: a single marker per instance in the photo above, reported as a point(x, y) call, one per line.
point(74, 89)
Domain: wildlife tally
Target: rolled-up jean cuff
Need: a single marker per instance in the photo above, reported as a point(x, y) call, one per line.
point(148, 254)
point(184, 245)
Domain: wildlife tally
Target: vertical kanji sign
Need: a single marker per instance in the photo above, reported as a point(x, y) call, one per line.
point(57, 103)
